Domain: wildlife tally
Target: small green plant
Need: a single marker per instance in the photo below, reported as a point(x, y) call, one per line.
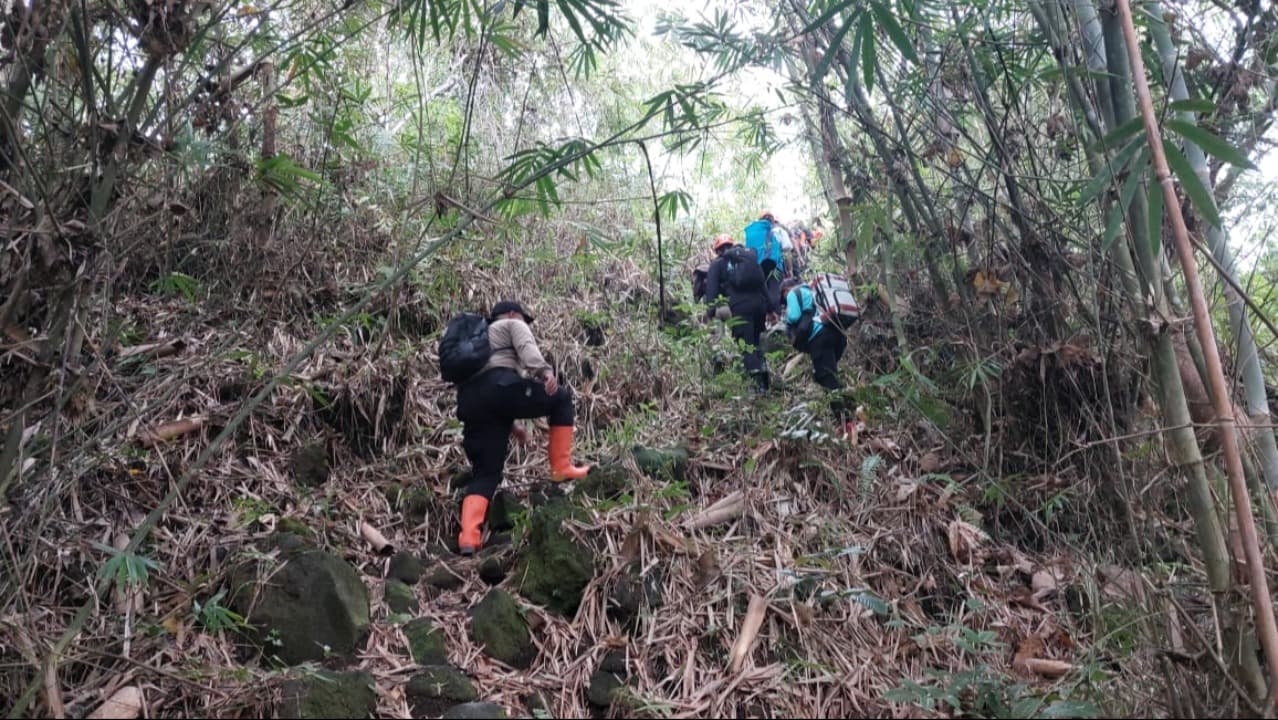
point(216, 617)
point(175, 284)
point(250, 509)
point(127, 570)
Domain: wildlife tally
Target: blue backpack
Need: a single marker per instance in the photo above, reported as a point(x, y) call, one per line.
point(759, 238)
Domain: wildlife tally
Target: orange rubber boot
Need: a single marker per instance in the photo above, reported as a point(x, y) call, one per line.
point(561, 467)
point(474, 508)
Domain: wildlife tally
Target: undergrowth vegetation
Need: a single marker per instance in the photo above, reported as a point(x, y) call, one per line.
point(234, 234)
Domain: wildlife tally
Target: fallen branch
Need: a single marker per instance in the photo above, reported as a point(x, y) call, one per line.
point(1047, 668)
point(158, 349)
point(171, 430)
point(749, 632)
point(730, 507)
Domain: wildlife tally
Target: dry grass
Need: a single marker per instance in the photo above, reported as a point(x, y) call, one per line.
point(815, 534)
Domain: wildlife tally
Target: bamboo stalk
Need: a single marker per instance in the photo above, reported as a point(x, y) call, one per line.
point(380, 544)
point(126, 703)
point(732, 506)
point(749, 632)
point(1244, 340)
point(171, 430)
point(1207, 338)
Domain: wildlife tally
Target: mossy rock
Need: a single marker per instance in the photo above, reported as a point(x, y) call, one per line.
point(538, 704)
point(503, 512)
point(460, 479)
point(494, 569)
point(605, 482)
point(400, 597)
point(393, 494)
point(440, 577)
point(416, 505)
point(500, 629)
point(294, 526)
point(553, 569)
point(662, 464)
point(603, 688)
point(405, 566)
point(437, 688)
point(329, 695)
point(631, 594)
point(475, 711)
point(615, 662)
point(310, 465)
point(313, 606)
point(426, 644)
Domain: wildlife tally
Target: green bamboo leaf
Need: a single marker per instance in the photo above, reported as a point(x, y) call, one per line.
point(1197, 105)
point(1156, 217)
point(829, 13)
point(854, 59)
point(1107, 174)
point(868, 61)
point(836, 42)
point(1194, 187)
point(894, 31)
point(1117, 212)
point(1210, 144)
point(1120, 133)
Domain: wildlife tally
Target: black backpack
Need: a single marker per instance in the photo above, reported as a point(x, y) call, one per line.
point(464, 349)
point(744, 273)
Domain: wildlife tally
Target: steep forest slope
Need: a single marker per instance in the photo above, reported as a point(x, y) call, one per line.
point(230, 475)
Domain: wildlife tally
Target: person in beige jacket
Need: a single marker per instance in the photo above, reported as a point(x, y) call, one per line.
point(516, 383)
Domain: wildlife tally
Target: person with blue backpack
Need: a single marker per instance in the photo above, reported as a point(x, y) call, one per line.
point(737, 276)
point(762, 236)
point(501, 376)
point(811, 332)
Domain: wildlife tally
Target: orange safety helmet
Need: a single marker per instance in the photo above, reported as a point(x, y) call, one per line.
point(721, 240)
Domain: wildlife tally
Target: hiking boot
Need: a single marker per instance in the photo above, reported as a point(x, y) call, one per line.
point(561, 467)
point(471, 539)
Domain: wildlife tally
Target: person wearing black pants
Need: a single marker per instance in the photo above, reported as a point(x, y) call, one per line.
point(516, 383)
point(826, 345)
point(749, 313)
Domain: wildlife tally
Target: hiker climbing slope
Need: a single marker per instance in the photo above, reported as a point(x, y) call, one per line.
point(515, 382)
point(762, 237)
point(737, 275)
point(813, 333)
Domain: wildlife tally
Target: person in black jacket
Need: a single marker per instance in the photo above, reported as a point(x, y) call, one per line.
point(748, 303)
